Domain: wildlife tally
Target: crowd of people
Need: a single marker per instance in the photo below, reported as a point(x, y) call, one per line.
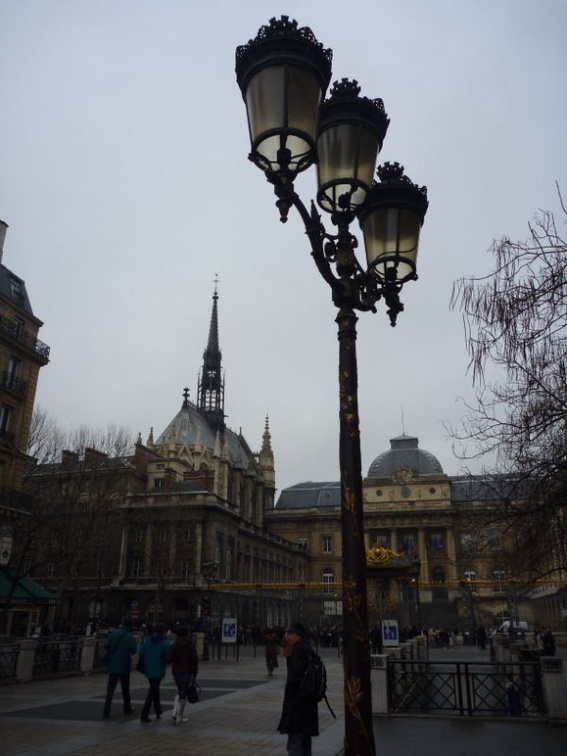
point(155, 652)
point(299, 718)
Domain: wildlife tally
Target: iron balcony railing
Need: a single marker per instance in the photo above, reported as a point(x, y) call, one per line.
point(13, 329)
point(9, 381)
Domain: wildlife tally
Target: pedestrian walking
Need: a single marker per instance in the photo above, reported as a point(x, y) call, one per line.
point(153, 652)
point(120, 646)
point(272, 650)
point(481, 637)
point(548, 643)
point(300, 717)
point(184, 668)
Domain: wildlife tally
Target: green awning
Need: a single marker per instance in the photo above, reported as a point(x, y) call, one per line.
point(26, 591)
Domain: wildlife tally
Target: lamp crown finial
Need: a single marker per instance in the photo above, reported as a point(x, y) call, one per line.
point(283, 27)
point(346, 90)
point(393, 173)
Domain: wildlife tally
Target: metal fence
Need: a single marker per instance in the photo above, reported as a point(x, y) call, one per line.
point(8, 661)
point(98, 661)
point(465, 688)
point(58, 656)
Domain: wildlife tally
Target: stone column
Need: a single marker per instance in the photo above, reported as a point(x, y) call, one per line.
point(148, 549)
point(553, 684)
point(394, 540)
point(199, 644)
point(379, 683)
point(88, 654)
point(451, 553)
point(423, 556)
point(198, 546)
point(123, 564)
point(173, 546)
point(26, 658)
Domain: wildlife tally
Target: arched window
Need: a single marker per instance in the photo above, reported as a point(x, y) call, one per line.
point(499, 576)
point(328, 580)
point(470, 576)
point(438, 575)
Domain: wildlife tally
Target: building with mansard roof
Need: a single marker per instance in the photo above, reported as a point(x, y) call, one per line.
point(187, 516)
point(22, 355)
point(190, 528)
point(463, 570)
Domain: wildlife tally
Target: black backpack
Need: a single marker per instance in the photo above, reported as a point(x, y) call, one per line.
point(313, 686)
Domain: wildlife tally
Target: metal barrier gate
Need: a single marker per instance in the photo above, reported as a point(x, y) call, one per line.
point(465, 688)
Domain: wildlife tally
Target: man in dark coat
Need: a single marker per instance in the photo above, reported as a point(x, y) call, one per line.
point(121, 646)
point(300, 718)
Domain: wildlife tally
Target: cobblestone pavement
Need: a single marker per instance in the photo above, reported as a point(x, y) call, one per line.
point(238, 715)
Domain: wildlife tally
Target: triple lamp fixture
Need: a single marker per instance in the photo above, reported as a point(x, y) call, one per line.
point(283, 75)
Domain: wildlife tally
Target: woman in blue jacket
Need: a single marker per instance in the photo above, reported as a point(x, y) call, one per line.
point(120, 647)
point(153, 653)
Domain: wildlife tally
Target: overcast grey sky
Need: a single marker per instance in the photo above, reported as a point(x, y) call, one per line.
point(125, 182)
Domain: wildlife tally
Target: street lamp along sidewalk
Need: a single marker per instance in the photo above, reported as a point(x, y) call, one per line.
point(283, 74)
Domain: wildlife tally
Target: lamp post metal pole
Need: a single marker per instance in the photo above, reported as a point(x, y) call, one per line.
point(291, 129)
point(359, 737)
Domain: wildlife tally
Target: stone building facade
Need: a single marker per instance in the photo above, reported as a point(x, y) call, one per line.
point(466, 572)
point(184, 529)
point(22, 355)
point(190, 530)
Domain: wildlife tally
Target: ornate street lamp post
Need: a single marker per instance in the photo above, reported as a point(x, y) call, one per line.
point(283, 74)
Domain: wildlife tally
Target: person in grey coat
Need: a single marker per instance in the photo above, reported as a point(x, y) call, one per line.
point(300, 717)
point(120, 646)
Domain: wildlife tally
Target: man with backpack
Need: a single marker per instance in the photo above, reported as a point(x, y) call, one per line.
point(300, 717)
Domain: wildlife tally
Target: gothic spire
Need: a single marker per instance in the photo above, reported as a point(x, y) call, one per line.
point(211, 381)
point(266, 438)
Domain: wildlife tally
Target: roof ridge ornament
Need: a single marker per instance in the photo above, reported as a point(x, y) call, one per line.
point(404, 474)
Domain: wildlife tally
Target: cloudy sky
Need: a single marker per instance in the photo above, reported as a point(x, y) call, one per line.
point(125, 182)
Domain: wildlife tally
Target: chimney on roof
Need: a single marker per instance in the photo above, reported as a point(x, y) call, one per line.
point(94, 456)
point(3, 229)
point(69, 458)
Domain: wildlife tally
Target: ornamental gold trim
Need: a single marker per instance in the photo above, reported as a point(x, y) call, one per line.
point(379, 556)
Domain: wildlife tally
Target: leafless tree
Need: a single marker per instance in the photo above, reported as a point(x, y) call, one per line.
point(74, 501)
point(45, 439)
point(515, 321)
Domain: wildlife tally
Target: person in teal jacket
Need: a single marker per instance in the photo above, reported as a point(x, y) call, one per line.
point(120, 646)
point(153, 652)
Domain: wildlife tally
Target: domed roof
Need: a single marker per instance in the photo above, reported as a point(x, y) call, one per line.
point(404, 452)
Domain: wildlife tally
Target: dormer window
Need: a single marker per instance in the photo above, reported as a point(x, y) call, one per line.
point(16, 288)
